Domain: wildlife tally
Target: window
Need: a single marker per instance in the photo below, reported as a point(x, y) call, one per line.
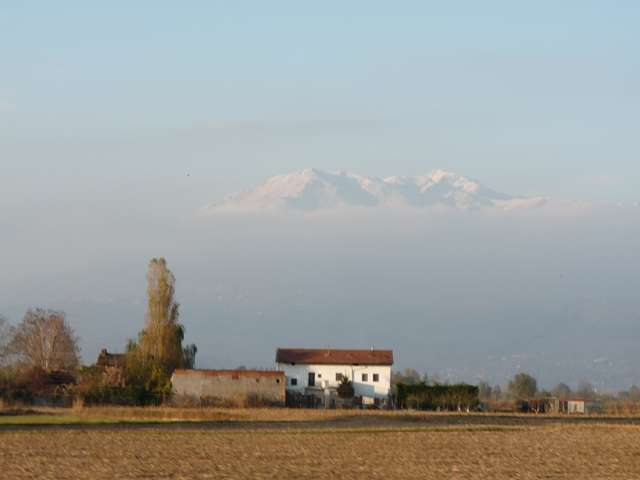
point(338, 377)
point(365, 377)
point(294, 382)
point(376, 377)
point(319, 375)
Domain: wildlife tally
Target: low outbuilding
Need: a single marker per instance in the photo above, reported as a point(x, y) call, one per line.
point(580, 405)
point(239, 386)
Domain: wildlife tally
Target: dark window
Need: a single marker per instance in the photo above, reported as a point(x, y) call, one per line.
point(376, 377)
point(365, 377)
point(294, 382)
point(312, 379)
point(338, 377)
point(319, 375)
point(277, 380)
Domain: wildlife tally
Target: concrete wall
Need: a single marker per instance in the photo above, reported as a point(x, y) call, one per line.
point(211, 385)
point(367, 389)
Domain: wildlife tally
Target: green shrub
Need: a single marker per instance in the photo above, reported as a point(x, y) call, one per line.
point(424, 397)
point(131, 395)
point(345, 389)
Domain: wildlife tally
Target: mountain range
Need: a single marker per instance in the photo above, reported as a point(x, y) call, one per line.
point(312, 189)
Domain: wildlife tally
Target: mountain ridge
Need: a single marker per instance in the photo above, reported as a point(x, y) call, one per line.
point(312, 189)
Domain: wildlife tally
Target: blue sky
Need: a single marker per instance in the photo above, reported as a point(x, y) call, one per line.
point(120, 119)
point(531, 98)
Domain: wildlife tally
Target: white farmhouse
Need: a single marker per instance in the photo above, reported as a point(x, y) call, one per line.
point(319, 372)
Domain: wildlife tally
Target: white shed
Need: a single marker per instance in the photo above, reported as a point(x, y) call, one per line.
point(580, 405)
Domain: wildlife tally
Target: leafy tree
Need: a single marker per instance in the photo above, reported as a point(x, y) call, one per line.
point(345, 388)
point(163, 335)
point(561, 391)
point(544, 393)
point(46, 341)
point(484, 389)
point(523, 386)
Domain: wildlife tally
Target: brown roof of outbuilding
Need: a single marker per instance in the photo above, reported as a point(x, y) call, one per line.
point(235, 373)
point(106, 359)
point(334, 357)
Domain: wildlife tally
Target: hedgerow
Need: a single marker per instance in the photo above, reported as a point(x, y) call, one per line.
point(431, 397)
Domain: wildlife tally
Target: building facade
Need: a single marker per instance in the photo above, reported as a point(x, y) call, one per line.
point(211, 386)
point(318, 372)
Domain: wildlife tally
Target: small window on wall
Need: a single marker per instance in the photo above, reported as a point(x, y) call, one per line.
point(319, 375)
point(294, 382)
point(338, 377)
point(365, 377)
point(376, 377)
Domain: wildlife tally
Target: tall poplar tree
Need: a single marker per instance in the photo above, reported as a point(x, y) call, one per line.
point(163, 335)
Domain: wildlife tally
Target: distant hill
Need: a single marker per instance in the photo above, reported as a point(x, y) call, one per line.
point(312, 189)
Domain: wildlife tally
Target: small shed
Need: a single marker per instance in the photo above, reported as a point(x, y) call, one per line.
point(580, 405)
point(211, 386)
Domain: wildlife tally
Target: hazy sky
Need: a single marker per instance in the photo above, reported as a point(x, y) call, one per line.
point(531, 98)
point(119, 120)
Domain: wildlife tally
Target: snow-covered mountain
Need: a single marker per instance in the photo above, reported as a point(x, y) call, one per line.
point(312, 189)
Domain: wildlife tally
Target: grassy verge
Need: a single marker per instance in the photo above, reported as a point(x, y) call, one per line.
point(50, 420)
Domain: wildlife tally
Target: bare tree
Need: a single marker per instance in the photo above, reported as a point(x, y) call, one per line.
point(5, 336)
point(496, 393)
point(46, 341)
point(561, 391)
point(585, 389)
point(484, 390)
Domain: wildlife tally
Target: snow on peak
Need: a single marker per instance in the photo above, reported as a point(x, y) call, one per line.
point(312, 189)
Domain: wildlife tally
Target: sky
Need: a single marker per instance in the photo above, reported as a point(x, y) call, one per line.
point(119, 120)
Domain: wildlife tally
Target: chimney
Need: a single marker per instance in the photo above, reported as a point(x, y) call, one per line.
point(372, 348)
point(103, 352)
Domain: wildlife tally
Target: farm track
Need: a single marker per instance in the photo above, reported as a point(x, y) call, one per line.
point(336, 446)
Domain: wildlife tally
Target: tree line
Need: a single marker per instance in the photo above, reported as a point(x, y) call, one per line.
point(34, 353)
point(522, 387)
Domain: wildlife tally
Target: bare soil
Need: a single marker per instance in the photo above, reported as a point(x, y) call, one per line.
point(294, 444)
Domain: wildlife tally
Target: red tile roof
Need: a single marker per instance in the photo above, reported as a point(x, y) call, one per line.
point(334, 357)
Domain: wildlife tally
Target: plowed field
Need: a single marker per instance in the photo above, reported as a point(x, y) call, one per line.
point(339, 446)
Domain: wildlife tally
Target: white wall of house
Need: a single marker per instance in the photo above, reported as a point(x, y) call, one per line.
point(364, 387)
